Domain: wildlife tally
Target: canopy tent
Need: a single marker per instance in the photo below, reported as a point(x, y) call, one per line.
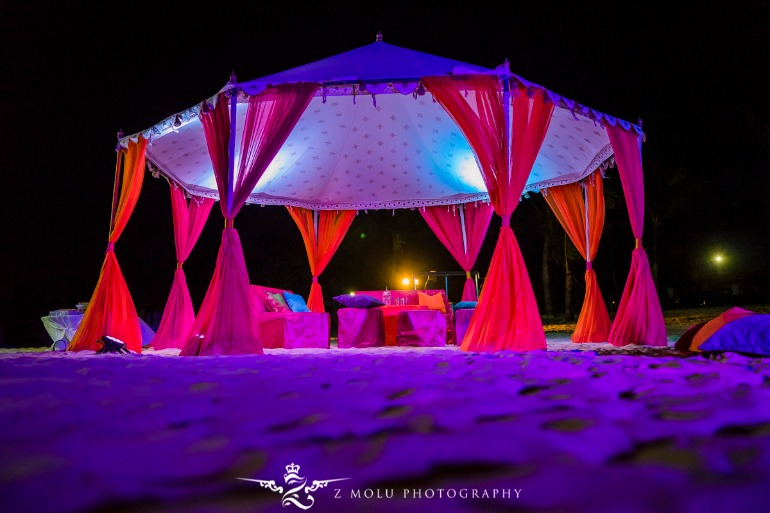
point(378, 127)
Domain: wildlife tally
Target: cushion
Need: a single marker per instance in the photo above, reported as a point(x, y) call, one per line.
point(295, 302)
point(277, 302)
point(716, 324)
point(358, 301)
point(261, 292)
point(685, 340)
point(749, 334)
point(434, 302)
point(465, 305)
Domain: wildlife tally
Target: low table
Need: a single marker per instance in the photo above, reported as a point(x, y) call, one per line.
point(421, 328)
point(61, 329)
point(390, 318)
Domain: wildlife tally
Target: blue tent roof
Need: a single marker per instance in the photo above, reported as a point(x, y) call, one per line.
point(374, 63)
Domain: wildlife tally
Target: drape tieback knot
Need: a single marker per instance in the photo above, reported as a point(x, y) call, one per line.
point(179, 265)
point(638, 243)
point(589, 265)
point(315, 279)
point(506, 220)
point(110, 247)
point(467, 275)
point(228, 222)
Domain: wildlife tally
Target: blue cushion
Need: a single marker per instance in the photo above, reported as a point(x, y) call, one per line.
point(464, 305)
point(295, 302)
point(749, 335)
point(358, 301)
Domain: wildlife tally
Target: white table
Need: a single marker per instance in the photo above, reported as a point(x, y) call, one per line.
point(61, 329)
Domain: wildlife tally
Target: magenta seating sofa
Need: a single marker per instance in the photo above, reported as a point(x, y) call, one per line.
point(280, 327)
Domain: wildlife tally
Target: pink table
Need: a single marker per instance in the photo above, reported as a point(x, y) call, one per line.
point(422, 328)
point(390, 317)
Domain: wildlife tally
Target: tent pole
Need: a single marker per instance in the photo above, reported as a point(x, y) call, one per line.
point(231, 145)
point(118, 161)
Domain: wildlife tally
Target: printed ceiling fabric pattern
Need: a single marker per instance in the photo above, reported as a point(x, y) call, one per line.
point(405, 152)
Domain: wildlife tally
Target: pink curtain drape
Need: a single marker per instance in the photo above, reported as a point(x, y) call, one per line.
point(461, 230)
point(320, 243)
point(111, 309)
point(506, 316)
point(639, 319)
point(179, 315)
point(579, 207)
point(225, 322)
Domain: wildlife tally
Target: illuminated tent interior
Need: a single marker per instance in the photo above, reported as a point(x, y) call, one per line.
point(376, 127)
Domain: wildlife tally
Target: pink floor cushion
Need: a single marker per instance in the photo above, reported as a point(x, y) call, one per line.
point(423, 328)
point(360, 327)
point(685, 340)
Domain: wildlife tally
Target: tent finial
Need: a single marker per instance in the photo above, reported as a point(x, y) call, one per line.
point(379, 36)
point(233, 79)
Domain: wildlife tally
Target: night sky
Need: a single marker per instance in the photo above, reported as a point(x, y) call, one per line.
point(74, 75)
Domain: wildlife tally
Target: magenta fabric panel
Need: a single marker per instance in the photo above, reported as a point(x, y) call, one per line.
point(225, 322)
point(639, 319)
point(627, 146)
point(189, 219)
point(360, 327)
point(469, 291)
point(178, 314)
point(445, 222)
point(462, 320)
point(423, 328)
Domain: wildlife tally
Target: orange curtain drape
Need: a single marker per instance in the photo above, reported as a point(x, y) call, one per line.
point(639, 319)
point(179, 315)
point(579, 207)
point(505, 132)
point(225, 322)
point(111, 310)
point(321, 243)
point(461, 230)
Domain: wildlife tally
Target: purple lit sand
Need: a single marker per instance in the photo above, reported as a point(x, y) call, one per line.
point(572, 429)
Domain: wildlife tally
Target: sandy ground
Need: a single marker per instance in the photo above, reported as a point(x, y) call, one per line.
point(576, 428)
